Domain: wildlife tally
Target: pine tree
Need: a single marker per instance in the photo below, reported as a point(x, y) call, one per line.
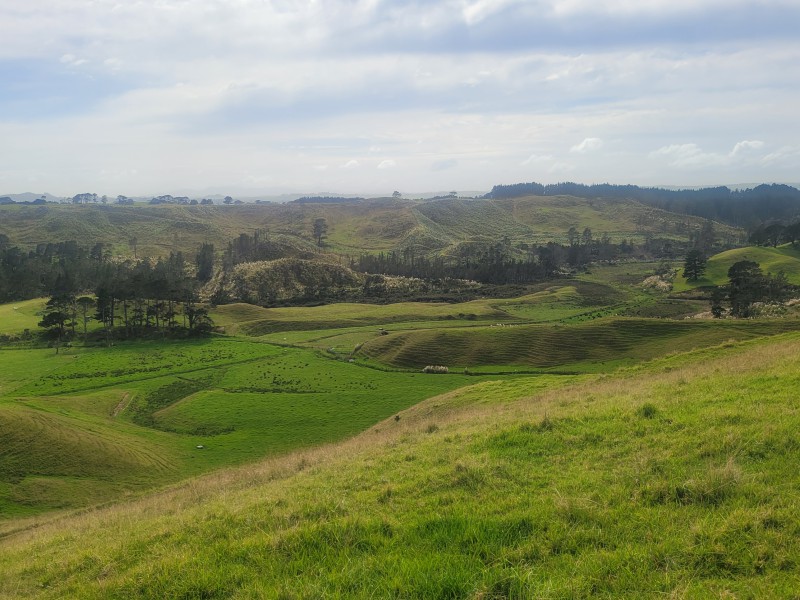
point(694, 266)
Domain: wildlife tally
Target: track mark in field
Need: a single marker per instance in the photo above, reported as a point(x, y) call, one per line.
point(122, 404)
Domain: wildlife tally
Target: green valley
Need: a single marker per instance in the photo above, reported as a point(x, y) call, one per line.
point(583, 428)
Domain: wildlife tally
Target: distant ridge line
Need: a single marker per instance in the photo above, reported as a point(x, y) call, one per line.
point(745, 208)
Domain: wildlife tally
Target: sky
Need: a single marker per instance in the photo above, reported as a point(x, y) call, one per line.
point(248, 97)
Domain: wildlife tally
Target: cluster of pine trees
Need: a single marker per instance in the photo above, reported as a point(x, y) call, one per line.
point(47, 268)
point(252, 248)
point(128, 298)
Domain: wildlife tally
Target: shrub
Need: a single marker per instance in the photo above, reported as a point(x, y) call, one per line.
point(647, 410)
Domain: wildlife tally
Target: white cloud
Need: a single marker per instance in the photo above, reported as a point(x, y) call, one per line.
point(663, 9)
point(693, 156)
point(536, 159)
point(746, 146)
point(72, 60)
point(587, 145)
point(453, 91)
point(687, 155)
point(478, 10)
point(788, 155)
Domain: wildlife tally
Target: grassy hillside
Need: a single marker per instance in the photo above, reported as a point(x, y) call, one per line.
point(546, 302)
point(241, 400)
point(772, 260)
point(675, 479)
point(68, 459)
point(591, 346)
point(471, 220)
point(369, 226)
point(90, 424)
point(550, 217)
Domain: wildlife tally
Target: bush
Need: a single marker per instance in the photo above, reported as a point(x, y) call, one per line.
point(647, 410)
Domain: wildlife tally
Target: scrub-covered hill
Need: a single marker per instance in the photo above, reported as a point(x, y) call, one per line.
point(382, 224)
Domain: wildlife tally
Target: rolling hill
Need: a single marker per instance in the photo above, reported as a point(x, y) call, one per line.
point(376, 225)
point(591, 346)
point(675, 478)
point(784, 259)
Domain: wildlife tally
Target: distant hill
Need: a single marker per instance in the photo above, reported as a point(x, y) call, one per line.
point(741, 207)
point(371, 225)
point(325, 200)
point(28, 197)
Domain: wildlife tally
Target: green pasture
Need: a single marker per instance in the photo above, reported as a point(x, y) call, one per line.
point(16, 317)
point(546, 302)
point(88, 425)
point(263, 321)
point(295, 400)
point(304, 376)
point(675, 479)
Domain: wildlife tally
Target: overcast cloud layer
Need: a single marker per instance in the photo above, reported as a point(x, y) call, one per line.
point(369, 96)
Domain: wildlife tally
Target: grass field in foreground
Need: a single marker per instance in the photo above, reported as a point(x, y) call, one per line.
point(89, 425)
point(676, 479)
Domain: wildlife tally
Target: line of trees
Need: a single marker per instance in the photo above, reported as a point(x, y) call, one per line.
point(130, 299)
